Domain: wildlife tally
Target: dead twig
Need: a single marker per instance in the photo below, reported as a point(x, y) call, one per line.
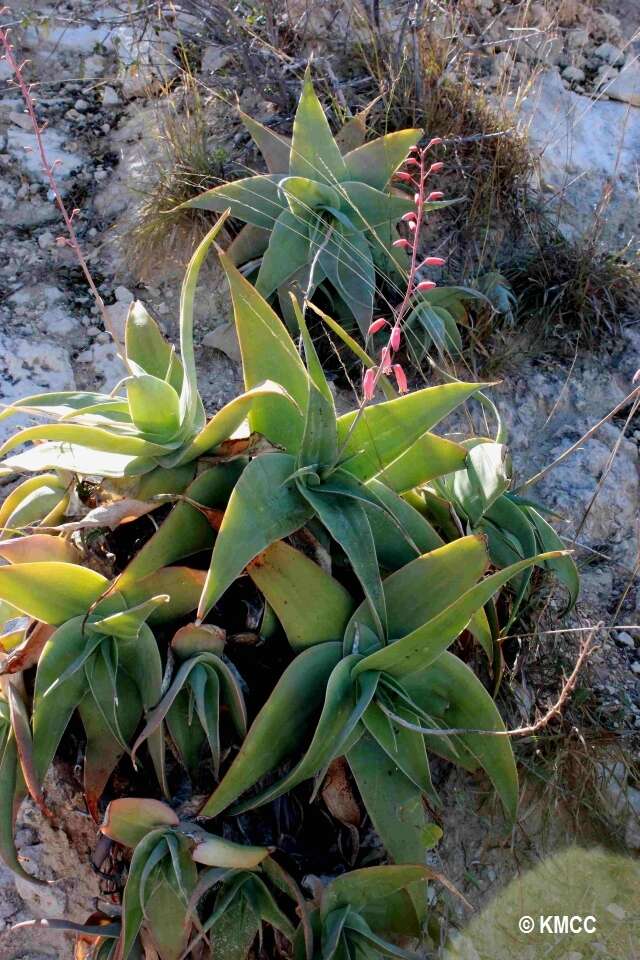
point(586, 648)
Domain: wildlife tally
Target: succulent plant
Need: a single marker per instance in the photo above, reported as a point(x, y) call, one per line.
point(320, 216)
point(367, 541)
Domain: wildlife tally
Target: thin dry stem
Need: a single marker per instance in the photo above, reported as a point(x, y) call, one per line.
point(48, 168)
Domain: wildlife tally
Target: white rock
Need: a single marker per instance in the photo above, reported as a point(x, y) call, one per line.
point(95, 65)
point(635, 667)
point(225, 339)
point(577, 38)
point(215, 57)
point(123, 295)
point(626, 640)
point(22, 120)
point(21, 144)
point(626, 85)
point(610, 53)
point(579, 143)
point(573, 74)
point(81, 105)
point(30, 366)
point(109, 97)
point(46, 240)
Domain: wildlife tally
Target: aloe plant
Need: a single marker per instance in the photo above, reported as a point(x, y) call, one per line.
point(319, 216)
point(101, 658)
point(164, 888)
point(153, 419)
point(370, 542)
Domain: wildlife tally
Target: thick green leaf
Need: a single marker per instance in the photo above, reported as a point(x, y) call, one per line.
point(314, 152)
point(392, 801)
point(563, 567)
point(468, 705)
point(225, 422)
point(182, 585)
point(375, 162)
point(80, 459)
point(347, 522)
point(388, 429)
point(421, 647)
point(53, 708)
point(186, 530)
point(287, 252)
point(370, 210)
point(154, 406)
point(281, 726)
point(147, 347)
point(305, 196)
point(274, 148)
point(404, 747)
point(428, 457)
point(311, 606)
point(416, 593)
point(12, 791)
point(128, 820)
point(98, 713)
point(50, 591)
point(255, 200)
point(250, 244)
point(396, 539)
point(267, 352)
point(31, 501)
point(217, 852)
point(140, 659)
point(343, 707)
point(360, 888)
point(127, 623)
point(264, 506)
point(347, 262)
point(93, 437)
point(192, 415)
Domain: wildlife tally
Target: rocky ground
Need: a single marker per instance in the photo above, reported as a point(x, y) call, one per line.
point(103, 79)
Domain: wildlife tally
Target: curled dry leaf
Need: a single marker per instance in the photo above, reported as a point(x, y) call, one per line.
point(338, 794)
point(112, 515)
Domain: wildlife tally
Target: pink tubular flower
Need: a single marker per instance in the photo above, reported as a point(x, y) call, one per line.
point(401, 243)
point(409, 216)
point(385, 360)
point(369, 383)
point(394, 339)
point(433, 262)
point(376, 325)
point(425, 285)
point(411, 162)
point(434, 142)
point(401, 378)
point(435, 195)
point(436, 167)
point(406, 177)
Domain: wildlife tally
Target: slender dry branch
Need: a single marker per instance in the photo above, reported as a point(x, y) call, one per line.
point(48, 168)
point(586, 648)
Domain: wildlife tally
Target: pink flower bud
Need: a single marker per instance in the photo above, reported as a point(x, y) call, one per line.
point(433, 262)
point(369, 383)
point(435, 195)
point(436, 167)
point(401, 243)
point(376, 325)
point(411, 162)
point(425, 285)
point(409, 216)
point(434, 142)
point(416, 198)
point(394, 339)
point(401, 378)
point(406, 177)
